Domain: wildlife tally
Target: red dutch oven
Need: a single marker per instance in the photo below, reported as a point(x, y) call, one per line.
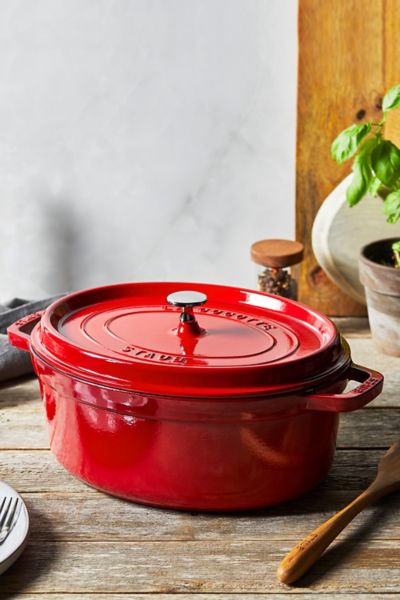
point(217, 398)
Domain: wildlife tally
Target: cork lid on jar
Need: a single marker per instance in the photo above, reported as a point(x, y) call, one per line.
point(277, 253)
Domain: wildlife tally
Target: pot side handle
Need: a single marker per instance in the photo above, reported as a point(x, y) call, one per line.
point(19, 333)
point(371, 383)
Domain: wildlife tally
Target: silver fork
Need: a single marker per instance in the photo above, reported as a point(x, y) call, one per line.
point(8, 510)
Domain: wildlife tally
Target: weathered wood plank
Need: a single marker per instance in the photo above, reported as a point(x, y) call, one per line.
point(23, 426)
point(71, 515)
point(21, 415)
point(340, 81)
point(196, 596)
point(373, 428)
point(362, 429)
point(278, 596)
point(38, 471)
point(391, 42)
point(219, 567)
point(24, 389)
point(22, 421)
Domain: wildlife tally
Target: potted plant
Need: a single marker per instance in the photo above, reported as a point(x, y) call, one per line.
point(376, 171)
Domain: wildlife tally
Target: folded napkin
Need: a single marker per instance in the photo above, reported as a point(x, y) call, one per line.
point(15, 362)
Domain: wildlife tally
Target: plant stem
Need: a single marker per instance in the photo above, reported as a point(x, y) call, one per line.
point(396, 259)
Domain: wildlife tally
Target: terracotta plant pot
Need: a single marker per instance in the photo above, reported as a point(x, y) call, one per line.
point(382, 289)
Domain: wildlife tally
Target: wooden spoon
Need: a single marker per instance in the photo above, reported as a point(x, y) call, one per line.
point(307, 552)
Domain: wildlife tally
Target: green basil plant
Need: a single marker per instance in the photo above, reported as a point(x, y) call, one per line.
point(376, 166)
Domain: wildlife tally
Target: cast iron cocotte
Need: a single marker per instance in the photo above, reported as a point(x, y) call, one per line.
point(192, 396)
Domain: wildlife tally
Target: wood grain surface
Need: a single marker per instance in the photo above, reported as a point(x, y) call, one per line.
point(348, 57)
point(279, 596)
point(391, 68)
point(85, 544)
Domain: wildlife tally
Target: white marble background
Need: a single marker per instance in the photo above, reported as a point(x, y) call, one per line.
point(143, 139)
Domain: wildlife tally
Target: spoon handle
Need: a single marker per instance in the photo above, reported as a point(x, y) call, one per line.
point(306, 552)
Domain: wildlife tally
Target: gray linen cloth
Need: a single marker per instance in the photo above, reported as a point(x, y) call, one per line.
point(15, 362)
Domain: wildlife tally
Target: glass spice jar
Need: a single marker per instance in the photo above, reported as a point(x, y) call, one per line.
point(275, 257)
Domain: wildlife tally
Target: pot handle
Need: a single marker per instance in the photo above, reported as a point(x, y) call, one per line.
point(19, 333)
point(371, 383)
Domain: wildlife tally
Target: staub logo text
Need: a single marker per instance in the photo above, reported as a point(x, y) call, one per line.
point(249, 320)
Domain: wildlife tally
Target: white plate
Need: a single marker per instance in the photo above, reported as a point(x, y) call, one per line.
point(339, 232)
point(14, 544)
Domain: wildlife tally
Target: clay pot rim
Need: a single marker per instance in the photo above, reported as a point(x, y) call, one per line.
point(368, 261)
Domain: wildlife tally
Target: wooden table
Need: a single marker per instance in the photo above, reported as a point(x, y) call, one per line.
point(85, 544)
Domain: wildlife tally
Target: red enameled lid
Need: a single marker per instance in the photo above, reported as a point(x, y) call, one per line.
point(182, 339)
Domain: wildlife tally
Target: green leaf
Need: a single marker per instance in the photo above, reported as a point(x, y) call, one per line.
point(391, 99)
point(396, 246)
point(347, 142)
point(361, 181)
point(396, 252)
point(363, 174)
point(374, 187)
point(385, 162)
point(391, 207)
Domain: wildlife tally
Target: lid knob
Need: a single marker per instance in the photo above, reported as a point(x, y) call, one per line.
point(186, 300)
point(188, 329)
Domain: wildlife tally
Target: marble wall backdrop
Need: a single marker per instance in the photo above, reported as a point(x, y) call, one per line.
point(143, 139)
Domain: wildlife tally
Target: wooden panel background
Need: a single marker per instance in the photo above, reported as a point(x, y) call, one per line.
point(348, 56)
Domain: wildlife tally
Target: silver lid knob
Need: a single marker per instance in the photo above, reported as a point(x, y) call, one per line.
point(187, 299)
